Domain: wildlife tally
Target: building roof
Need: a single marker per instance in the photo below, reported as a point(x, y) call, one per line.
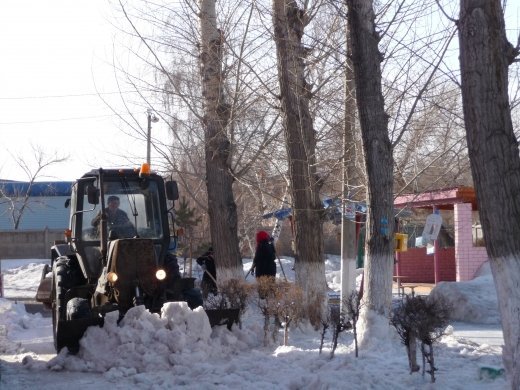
point(41, 188)
point(443, 199)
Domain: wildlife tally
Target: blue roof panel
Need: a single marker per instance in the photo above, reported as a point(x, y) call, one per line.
point(41, 188)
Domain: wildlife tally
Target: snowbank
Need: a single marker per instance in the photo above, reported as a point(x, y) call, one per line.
point(473, 301)
point(147, 342)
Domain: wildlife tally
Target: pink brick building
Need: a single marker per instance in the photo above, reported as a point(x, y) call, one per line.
point(447, 264)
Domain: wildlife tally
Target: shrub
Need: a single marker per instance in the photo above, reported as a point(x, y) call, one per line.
point(281, 300)
point(232, 294)
point(423, 319)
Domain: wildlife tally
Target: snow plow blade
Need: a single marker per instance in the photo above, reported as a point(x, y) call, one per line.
point(71, 331)
point(43, 294)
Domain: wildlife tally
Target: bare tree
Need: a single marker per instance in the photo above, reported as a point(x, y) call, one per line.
point(20, 202)
point(378, 157)
point(289, 22)
point(219, 180)
point(485, 56)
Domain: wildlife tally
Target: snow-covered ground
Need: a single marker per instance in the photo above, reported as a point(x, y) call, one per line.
point(179, 349)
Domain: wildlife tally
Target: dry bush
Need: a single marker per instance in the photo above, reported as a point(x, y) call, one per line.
point(404, 319)
point(424, 319)
point(215, 302)
point(233, 294)
point(281, 300)
point(265, 300)
point(266, 286)
point(289, 308)
point(434, 319)
point(352, 308)
point(340, 321)
point(325, 326)
point(237, 294)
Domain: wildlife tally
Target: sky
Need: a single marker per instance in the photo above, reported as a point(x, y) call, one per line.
point(180, 350)
point(57, 60)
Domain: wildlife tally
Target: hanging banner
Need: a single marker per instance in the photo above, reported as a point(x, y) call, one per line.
point(432, 227)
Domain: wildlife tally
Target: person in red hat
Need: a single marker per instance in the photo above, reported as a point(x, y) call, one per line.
point(265, 256)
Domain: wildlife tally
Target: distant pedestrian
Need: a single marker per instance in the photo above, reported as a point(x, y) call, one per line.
point(264, 267)
point(179, 289)
point(209, 279)
point(265, 256)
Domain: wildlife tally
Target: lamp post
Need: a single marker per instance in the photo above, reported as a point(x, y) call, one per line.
point(151, 118)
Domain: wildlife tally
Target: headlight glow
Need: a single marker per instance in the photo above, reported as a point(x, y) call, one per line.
point(112, 277)
point(160, 274)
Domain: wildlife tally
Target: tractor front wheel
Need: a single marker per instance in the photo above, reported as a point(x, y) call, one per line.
point(62, 281)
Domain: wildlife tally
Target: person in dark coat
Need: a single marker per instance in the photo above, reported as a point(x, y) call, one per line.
point(177, 289)
point(207, 262)
point(265, 256)
point(264, 262)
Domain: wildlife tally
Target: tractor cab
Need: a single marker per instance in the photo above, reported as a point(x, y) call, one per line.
point(107, 205)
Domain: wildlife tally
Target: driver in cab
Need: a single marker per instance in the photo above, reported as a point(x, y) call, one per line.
point(116, 218)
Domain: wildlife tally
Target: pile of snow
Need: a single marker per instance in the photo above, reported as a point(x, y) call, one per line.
point(13, 317)
point(146, 342)
point(19, 328)
point(473, 301)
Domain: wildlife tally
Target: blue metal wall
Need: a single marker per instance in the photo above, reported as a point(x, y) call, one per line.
point(46, 206)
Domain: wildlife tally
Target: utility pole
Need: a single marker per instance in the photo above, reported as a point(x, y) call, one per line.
point(348, 227)
point(151, 118)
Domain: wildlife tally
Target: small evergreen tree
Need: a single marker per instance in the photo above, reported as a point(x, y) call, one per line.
point(186, 218)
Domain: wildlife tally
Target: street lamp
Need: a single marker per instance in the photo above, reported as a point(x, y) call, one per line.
point(151, 118)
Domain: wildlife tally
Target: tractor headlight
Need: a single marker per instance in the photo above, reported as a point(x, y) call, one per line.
point(112, 277)
point(160, 274)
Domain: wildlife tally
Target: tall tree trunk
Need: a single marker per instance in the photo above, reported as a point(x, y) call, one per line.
point(289, 23)
point(378, 158)
point(485, 55)
point(219, 181)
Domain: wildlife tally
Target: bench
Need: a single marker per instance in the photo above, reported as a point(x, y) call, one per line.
point(410, 286)
point(398, 279)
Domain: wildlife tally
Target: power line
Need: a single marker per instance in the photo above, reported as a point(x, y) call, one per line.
point(63, 119)
point(64, 96)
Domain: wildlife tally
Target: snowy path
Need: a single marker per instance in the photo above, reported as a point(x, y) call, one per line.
point(489, 334)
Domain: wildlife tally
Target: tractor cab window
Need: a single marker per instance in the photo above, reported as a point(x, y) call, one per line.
point(130, 212)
